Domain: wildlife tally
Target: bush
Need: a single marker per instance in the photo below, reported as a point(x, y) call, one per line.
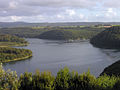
point(8, 80)
point(65, 80)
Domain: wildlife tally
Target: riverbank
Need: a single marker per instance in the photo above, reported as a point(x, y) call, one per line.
point(10, 44)
point(18, 59)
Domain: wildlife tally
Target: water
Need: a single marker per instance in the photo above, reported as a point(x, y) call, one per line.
point(53, 55)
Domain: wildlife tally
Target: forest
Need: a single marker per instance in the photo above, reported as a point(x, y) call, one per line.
point(35, 32)
point(113, 69)
point(64, 80)
point(109, 38)
point(8, 54)
point(67, 35)
point(11, 40)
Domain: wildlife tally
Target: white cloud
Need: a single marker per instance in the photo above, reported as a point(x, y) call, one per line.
point(60, 16)
point(70, 12)
point(13, 4)
point(15, 18)
point(59, 10)
point(81, 16)
point(112, 3)
point(61, 3)
point(4, 11)
point(110, 13)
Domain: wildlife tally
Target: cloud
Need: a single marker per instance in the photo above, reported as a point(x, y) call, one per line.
point(61, 3)
point(15, 18)
point(70, 12)
point(110, 13)
point(59, 10)
point(60, 16)
point(112, 4)
point(13, 4)
point(81, 16)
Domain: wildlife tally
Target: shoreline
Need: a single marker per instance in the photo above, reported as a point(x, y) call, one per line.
point(14, 45)
point(17, 59)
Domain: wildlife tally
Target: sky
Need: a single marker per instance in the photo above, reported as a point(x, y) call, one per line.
point(60, 10)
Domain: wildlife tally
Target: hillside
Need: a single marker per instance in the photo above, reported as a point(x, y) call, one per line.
point(10, 40)
point(109, 38)
point(8, 54)
point(113, 69)
point(34, 32)
point(67, 34)
point(57, 35)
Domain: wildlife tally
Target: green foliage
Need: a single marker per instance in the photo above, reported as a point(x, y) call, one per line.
point(109, 38)
point(106, 82)
point(35, 32)
point(11, 38)
point(84, 81)
point(57, 35)
point(8, 80)
point(65, 80)
point(62, 79)
point(26, 81)
point(38, 81)
point(8, 54)
point(67, 34)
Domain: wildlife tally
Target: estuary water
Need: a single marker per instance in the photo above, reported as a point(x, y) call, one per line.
point(49, 55)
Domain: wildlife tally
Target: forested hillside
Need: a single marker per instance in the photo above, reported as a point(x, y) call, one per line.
point(67, 35)
point(109, 38)
point(34, 32)
point(113, 69)
point(8, 54)
point(10, 40)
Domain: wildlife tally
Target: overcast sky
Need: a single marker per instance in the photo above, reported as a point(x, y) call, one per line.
point(60, 10)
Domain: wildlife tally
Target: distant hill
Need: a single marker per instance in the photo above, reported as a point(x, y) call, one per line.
point(109, 38)
point(68, 34)
point(57, 35)
point(25, 24)
point(32, 32)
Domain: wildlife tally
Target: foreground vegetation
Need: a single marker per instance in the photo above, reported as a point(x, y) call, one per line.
point(8, 54)
point(65, 80)
point(109, 38)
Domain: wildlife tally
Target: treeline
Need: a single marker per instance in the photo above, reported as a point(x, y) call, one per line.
point(34, 32)
point(11, 38)
point(67, 34)
point(64, 80)
point(57, 35)
point(8, 54)
point(109, 38)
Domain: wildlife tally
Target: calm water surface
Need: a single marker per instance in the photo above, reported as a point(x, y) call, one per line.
point(52, 55)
